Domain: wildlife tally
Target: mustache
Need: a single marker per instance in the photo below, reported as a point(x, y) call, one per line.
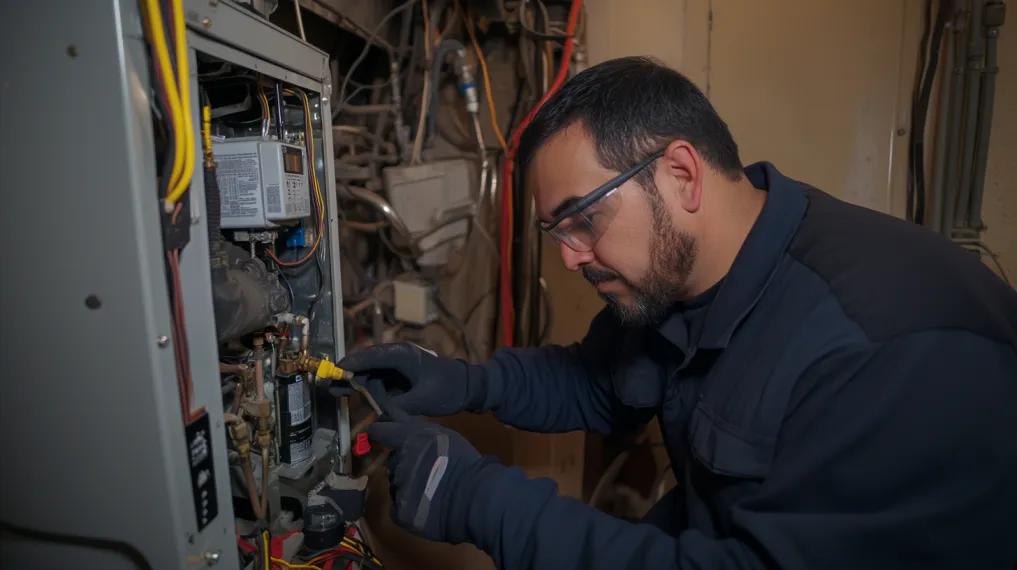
point(596, 276)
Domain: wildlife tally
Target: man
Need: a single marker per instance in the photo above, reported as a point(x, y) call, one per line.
point(836, 388)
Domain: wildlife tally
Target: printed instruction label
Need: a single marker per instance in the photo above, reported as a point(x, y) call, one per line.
point(239, 180)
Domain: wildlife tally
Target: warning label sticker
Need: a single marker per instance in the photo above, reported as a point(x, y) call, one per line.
point(239, 184)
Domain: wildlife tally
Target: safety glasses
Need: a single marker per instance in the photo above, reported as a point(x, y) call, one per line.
point(581, 224)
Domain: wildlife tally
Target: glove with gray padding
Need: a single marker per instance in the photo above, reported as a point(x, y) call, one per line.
point(433, 473)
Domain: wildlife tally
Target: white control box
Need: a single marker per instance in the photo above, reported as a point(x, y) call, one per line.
point(414, 301)
point(422, 194)
point(262, 184)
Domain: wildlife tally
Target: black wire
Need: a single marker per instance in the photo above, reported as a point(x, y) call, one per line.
point(920, 110)
point(919, 76)
point(289, 288)
point(342, 99)
point(517, 106)
point(539, 35)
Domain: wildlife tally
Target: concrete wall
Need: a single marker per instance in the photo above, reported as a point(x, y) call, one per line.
point(821, 88)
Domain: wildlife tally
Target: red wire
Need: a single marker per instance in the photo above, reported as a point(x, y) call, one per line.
point(181, 352)
point(507, 319)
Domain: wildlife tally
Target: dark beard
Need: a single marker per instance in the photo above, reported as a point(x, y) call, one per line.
point(672, 254)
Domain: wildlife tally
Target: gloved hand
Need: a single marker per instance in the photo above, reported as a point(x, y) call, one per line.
point(433, 473)
point(437, 386)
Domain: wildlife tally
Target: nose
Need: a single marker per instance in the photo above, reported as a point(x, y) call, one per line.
point(574, 260)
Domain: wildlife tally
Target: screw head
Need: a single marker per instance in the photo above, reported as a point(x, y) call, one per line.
point(211, 557)
point(207, 22)
point(163, 341)
point(93, 302)
point(901, 132)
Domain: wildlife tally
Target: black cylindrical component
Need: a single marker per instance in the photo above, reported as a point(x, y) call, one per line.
point(293, 414)
point(323, 528)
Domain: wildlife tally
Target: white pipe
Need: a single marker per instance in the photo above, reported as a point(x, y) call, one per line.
point(300, 19)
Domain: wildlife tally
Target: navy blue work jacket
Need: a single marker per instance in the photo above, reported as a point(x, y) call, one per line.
point(849, 402)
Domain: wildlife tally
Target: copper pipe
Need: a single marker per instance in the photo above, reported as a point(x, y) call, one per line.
point(305, 333)
point(259, 368)
point(227, 368)
point(264, 481)
point(252, 491)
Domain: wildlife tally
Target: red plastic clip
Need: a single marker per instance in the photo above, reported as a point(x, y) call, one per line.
point(361, 446)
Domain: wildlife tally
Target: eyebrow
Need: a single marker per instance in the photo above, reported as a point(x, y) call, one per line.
point(565, 205)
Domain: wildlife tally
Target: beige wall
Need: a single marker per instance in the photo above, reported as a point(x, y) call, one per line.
point(821, 88)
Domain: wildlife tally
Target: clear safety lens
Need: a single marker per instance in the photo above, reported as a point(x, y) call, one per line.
point(581, 230)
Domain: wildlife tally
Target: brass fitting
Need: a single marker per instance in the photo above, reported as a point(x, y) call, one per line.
point(323, 369)
point(264, 435)
point(240, 433)
point(260, 409)
point(287, 365)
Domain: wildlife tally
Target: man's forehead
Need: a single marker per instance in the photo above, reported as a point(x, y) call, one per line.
point(564, 169)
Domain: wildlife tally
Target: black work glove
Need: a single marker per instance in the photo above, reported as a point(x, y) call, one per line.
point(433, 474)
point(436, 386)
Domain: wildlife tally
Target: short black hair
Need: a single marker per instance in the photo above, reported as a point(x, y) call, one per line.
point(633, 106)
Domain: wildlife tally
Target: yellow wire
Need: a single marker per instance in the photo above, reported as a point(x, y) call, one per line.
point(264, 539)
point(184, 82)
point(357, 549)
point(206, 134)
point(491, 110)
point(292, 566)
point(352, 546)
point(157, 37)
point(309, 134)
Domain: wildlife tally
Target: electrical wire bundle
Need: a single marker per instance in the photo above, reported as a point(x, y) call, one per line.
point(351, 551)
point(928, 64)
point(514, 269)
point(506, 317)
point(172, 86)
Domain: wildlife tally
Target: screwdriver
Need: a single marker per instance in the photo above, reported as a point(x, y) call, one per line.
point(325, 370)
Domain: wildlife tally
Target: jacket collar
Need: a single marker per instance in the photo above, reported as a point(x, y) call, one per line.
point(755, 264)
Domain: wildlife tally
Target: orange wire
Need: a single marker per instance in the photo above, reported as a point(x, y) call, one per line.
point(488, 92)
point(308, 135)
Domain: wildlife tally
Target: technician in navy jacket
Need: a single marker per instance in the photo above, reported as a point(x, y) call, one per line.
point(836, 388)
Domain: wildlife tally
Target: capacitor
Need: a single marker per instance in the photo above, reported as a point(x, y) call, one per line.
point(293, 413)
point(323, 527)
